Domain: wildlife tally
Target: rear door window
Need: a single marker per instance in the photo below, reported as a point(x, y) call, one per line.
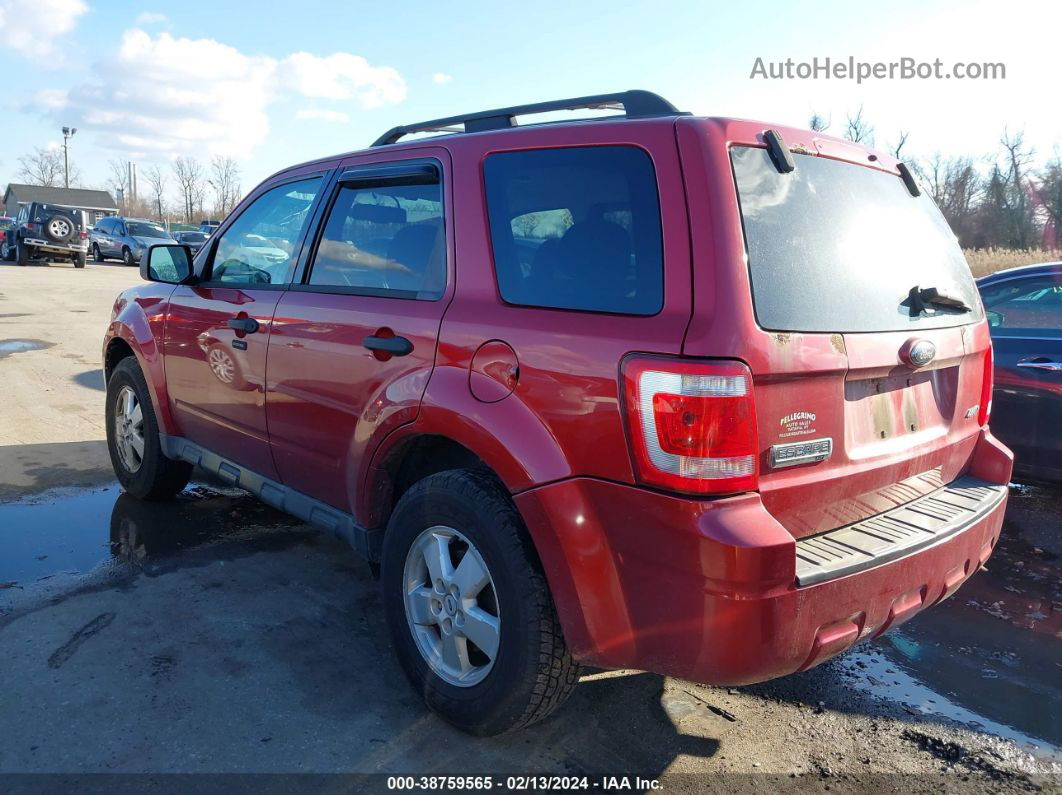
point(384, 237)
point(837, 247)
point(576, 229)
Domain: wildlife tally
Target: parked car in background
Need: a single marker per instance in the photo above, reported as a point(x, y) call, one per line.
point(6, 222)
point(194, 240)
point(704, 397)
point(46, 230)
point(209, 227)
point(1024, 307)
point(125, 238)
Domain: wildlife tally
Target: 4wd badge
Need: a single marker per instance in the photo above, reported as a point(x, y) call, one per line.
point(798, 423)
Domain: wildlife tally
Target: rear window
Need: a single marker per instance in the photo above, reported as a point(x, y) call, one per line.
point(577, 229)
point(836, 247)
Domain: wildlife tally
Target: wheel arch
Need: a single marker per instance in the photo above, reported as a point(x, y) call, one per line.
point(132, 334)
point(453, 429)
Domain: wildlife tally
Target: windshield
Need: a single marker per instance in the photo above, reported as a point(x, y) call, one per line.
point(836, 247)
point(146, 230)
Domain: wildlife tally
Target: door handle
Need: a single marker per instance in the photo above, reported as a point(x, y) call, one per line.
point(248, 325)
point(1041, 363)
point(396, 346)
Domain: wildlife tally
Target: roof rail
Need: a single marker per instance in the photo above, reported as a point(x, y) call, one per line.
point(635, 105)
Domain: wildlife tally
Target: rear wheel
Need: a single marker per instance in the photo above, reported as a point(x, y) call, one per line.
point(127, 257)
point(133, 438)
point(468, 607)
point(79, 260)
point(22, 253)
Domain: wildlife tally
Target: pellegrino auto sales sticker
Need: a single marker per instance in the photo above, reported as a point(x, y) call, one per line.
point(799, 423)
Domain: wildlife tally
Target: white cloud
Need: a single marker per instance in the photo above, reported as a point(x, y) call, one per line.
point(150, 18)
point(320, 114)
point(165, 96)
point(441, 78)
point(30, 27)
point(343, 76)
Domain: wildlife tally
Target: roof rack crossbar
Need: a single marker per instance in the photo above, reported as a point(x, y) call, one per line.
point(635, 105)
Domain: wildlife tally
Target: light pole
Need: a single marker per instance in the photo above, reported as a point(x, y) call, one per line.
point(68, 133)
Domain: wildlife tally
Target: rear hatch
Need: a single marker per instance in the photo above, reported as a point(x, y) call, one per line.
point(850, 423)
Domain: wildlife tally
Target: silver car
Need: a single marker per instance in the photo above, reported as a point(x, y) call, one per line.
point(125, 238)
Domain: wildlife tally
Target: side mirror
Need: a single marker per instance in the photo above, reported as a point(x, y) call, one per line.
point(170, 263)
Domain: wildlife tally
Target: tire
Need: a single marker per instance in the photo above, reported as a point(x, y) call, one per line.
point(21, 253)
point(532, 673)
point(96, 255)
point(127, 257)
point(149, 475)
point(79, 260)
point(7, 252)
point(59, 228)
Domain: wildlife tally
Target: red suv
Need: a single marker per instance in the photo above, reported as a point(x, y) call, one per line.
point(700, 396)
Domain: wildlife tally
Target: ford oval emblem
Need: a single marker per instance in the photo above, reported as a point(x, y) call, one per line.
point(919, 353)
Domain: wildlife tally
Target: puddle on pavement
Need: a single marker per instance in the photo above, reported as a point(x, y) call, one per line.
point(76, 531)
point(8, 347)
point(991, 655)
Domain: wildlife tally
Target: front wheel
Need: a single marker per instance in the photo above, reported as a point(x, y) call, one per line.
point(96, 255)
point(127, 257)
point(133, 438)
point(468, 606)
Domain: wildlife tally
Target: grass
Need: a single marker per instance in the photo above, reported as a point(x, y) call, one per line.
point(984, 261)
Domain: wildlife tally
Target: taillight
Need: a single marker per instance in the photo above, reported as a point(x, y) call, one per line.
point(692, 424)
point(31, 227)
point(84, 235)
point(984, 410)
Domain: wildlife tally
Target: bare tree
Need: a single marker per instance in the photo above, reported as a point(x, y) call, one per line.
point(958, 190)
point(225, 181)
point(1049, 190)
point(156, 180)
point(42, 167)
point(189, 174)
point(897, 147)
point(818, 123)
point(858, 129)
point(1017, 205)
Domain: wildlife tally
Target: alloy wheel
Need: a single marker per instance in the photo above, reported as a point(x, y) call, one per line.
point(451, 606)
point(222, 365)
point(129, 429)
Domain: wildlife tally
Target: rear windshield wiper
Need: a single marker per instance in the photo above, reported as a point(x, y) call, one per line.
point(919, 301)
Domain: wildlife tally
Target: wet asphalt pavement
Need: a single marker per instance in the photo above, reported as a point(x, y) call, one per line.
point(984, 664)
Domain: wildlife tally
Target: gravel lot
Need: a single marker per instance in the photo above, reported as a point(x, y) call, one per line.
point(215, 635)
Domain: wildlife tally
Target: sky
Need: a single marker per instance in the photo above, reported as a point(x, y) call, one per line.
point(273, 84)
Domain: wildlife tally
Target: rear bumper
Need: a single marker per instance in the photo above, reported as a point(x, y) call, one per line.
point(707, 590)
point(45, 245)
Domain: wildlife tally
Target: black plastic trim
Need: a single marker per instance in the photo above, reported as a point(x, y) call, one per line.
point(333, 521)
point(908, 179)
point(635, 105)
point(779, 152)
point(908, 528)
